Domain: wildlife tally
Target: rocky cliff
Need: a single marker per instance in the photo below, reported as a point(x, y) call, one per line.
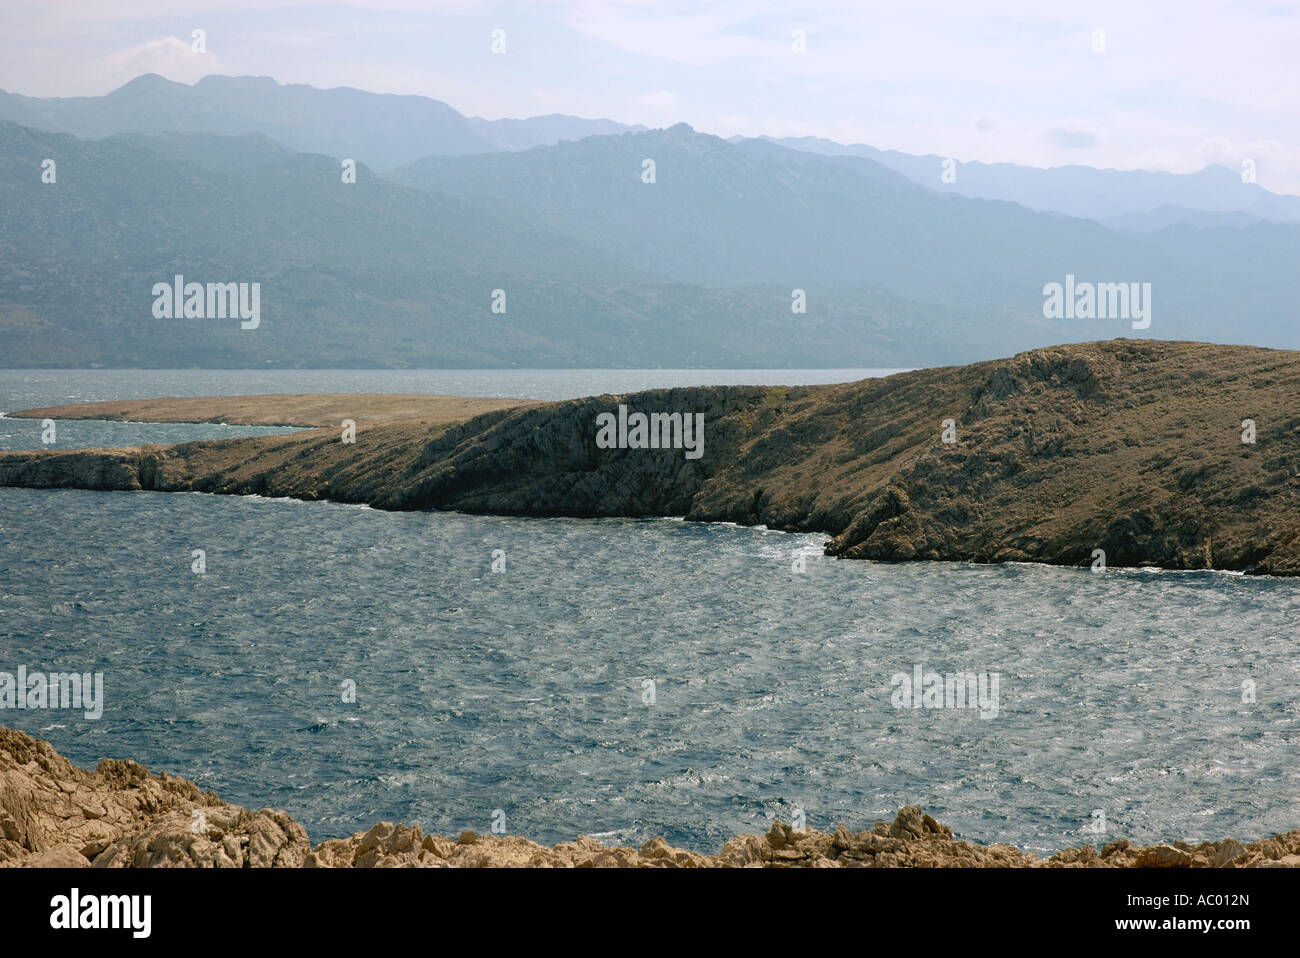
point(1171, 454)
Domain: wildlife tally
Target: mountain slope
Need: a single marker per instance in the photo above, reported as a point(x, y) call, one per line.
point(1165, 216)
point(512, 134)
point(369, 274)
point(343, 268)
point(597, 267)
point(724, 214)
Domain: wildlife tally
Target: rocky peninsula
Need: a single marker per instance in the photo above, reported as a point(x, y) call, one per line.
point(55, 815)
point(1176, 455)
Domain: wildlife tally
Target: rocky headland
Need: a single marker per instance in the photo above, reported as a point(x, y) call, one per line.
point(56, 815)
point(1171, 454)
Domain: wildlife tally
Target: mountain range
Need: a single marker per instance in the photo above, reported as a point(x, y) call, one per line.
point(239, 180)
point(386, 130)
point(1106, 195)
point(380, 129)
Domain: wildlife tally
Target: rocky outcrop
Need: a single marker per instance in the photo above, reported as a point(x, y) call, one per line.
point(55, 815)
point(224, 836)
point(1131, 447)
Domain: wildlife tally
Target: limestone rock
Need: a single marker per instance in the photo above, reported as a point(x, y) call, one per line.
point(1163, 856)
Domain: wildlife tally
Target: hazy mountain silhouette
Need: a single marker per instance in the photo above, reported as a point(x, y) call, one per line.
point(1164, 216)
point(386, 130)
point(1076, 190)
point(371, 273)
point(382, 130)
point(599, 268)
point(723, 214)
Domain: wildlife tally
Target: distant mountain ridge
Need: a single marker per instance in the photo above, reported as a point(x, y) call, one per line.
point(1076, 190)
point(380, 129)
point(1163, 217)
point(723, 214)
point(369, 274)
point(386, 131)
point(732, 254)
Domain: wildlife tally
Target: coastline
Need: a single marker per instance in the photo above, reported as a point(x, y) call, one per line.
point(1133, 450)
point(56, 815)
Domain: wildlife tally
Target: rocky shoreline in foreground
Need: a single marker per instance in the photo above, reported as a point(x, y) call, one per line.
point(56, 815)
point(1148, 453)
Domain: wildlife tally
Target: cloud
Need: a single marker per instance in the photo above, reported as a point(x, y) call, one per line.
point(659, 101)
point(1070, 138)
point(1269, 9)
point(775, 127)
point(1012, 81)
point(1277, 166)
point(301, 39)
point(97, 11)
point(699, 37)
point(550, 101)
point(170, 57)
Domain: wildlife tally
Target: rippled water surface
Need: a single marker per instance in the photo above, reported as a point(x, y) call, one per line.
point(96, 433)
point(525, 690)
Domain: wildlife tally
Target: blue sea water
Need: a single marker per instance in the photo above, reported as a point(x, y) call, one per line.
point(526, 690)
point(95, 433)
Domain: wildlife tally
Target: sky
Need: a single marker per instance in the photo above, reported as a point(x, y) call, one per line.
point(1166, 85)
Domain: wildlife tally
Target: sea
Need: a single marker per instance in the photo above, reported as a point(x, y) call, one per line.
point(625, 678)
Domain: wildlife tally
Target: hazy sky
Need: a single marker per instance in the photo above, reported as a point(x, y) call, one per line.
point(1181, 83)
